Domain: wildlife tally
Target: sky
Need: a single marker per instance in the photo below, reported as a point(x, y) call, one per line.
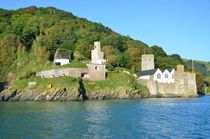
point(178, 26)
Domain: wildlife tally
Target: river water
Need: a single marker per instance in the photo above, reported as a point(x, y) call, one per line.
point(143, 118)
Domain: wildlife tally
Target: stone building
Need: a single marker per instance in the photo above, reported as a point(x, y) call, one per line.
point(97, 56)
point(147, 62)
point(169, 82)
point(95, 71)
point(62, 57)
point(97, 68)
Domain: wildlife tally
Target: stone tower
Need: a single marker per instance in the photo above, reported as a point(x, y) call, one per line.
point(147, 62)
point(96, 55)
point(180, 83)
point(191, 83)
point(97, 68)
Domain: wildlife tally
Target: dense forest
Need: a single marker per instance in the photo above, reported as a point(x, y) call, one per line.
point(30, 36)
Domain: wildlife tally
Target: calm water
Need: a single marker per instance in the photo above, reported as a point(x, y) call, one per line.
point(145, 118)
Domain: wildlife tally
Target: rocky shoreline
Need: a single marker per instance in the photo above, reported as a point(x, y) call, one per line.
point(65, 94)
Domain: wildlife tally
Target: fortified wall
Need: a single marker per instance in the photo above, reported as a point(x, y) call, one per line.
point(182, 86)
point(184, 83)
point(73, 72)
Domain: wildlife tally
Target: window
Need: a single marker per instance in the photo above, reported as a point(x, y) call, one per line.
point(158, 76)
point(96, 67)
point(166, 75)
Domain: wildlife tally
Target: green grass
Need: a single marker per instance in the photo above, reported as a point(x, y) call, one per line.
point(208, 90)
point(25, 69)
point(26, 66)
point(115, 79)
point(43, 83)
point(205, 63)
point(72, 64)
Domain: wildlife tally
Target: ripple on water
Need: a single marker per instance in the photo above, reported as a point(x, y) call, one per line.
point(145, 118)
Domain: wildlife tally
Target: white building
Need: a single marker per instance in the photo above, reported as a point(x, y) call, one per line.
point(62, 57)
point(96, 54)
point(158, 75)
point(166, 76)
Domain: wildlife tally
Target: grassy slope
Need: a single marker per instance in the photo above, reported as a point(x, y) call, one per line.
point(115, 79)
point(207, 64)
point(206, 73)
point(61, 82)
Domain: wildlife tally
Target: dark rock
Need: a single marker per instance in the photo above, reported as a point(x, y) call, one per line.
point(9, 95)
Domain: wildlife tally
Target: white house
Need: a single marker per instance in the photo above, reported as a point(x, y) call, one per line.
point(62, 57)
point(155, 74)
point(158, 75)
point(168, 76)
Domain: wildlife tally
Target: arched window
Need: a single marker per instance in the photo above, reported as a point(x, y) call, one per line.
point(166, 75)
point(158, 76)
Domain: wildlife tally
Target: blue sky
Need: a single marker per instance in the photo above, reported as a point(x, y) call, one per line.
point(178, 26)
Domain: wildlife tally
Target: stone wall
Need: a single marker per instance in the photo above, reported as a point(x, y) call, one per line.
point(73, 72)
point(96, 72)
point(167, 88)
point(151, 85)
point(191, 83)
point(184, 85)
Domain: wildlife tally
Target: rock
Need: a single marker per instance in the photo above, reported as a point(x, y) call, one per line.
point(31, 84)
point(7, 95)
point(69, 94)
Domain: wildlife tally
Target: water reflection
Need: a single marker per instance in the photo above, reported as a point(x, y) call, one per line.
point(96, 117)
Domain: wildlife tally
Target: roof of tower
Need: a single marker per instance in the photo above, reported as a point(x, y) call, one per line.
point(62, 54)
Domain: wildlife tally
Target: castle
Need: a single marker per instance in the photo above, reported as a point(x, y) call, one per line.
point(95, 71)
point(167, 82)
point(97, 68)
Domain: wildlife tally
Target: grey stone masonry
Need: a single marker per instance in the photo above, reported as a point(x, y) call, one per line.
point(73, 72)
point(147, 62)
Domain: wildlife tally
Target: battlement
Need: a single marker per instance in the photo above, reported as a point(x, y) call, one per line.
point(190, 74)
point(168, 82)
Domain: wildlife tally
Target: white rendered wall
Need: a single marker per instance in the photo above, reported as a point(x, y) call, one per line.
point(169, 79)
point(61, 61)
point(156, 78)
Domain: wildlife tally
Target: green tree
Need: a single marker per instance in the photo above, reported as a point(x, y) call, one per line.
point(110, 54)
point(134, 57)
point(158, 51)
point(8, 48)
